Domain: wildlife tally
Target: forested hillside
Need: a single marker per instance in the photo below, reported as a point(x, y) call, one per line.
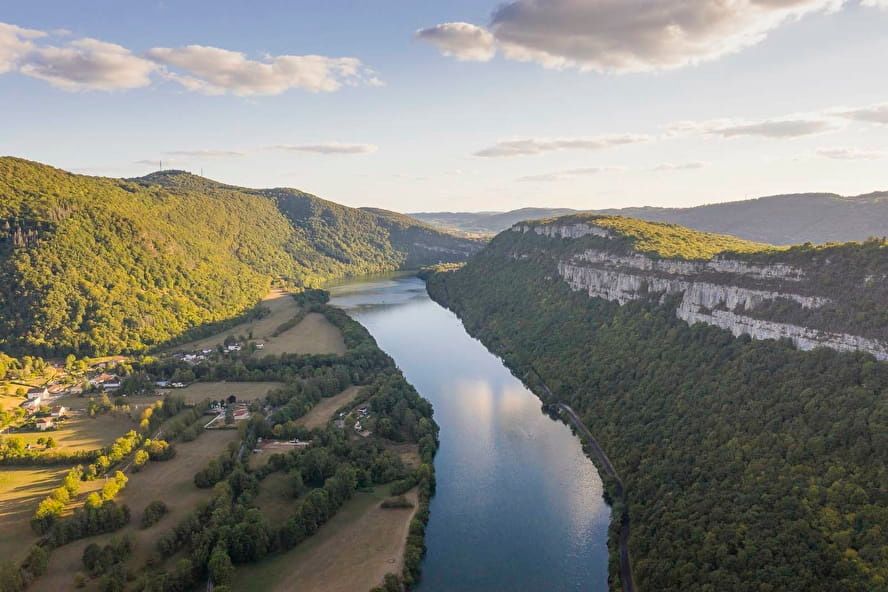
point(98, 265)
point(747, 464)
point(780, 219)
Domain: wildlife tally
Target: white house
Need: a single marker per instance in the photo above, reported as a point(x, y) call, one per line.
point(44, 423)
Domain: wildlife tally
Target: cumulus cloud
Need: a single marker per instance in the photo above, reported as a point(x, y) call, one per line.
point(14, 43)
point(328, 148)
point(871, 114)
point(632, 35)
point(89, 64)
point(571, 174)
point(531, 146)
point(850, 154)
point(213, 70)
point(463, 41)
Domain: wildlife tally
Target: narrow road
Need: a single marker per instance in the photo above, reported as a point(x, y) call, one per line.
point(605, 463)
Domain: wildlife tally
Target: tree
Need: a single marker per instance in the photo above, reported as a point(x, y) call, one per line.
point(220, 566)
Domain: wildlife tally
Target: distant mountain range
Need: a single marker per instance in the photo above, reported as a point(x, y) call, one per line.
point(778, 220)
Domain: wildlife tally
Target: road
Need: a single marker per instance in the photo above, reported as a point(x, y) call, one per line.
point(605, 464)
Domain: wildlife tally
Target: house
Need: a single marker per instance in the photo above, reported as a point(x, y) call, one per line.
point(44, 423)
point(109, 382)
point(161, 383)
point(31, 405)
point(38, 394)
point(260, 346)
point(58, 411)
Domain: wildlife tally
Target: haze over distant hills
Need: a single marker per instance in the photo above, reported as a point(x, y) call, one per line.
point(778, 219)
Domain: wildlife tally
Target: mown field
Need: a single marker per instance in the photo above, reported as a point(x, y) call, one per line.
point(244, 391)
point(171, 482)
point(313, 335)
point(282, 307)
point(84, 432)
point(353, 551)
point(323, 412)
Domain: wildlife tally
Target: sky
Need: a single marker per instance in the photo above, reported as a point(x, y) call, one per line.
point(458, 105)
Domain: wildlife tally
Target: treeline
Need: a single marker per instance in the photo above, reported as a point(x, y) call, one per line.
point(748, 465)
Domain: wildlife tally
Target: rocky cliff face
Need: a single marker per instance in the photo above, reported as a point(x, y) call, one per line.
point(722, 291)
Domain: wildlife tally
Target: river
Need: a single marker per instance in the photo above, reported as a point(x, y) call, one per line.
point(518, 506)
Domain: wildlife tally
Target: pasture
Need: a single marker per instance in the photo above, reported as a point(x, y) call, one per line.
point(170, 481)
point(323, 412)
point(313, 335)
point(353, 551)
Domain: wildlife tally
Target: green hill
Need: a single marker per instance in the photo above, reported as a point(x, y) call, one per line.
point(100, 265)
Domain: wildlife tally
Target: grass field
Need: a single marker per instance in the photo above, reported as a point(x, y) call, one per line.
point(244, 391)
point(84, 432)
point(275, 497)
point(171, 482)
point(283, 307)
point(313, 335)
point(323, 412)
point(353, 551)
point(21, 489)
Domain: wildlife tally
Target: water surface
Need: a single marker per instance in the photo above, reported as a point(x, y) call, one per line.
point(518, 506)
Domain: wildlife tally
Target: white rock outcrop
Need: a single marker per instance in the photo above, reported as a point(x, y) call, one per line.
point(708, 293)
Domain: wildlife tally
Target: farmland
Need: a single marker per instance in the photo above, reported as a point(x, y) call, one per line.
point(244, 391)
point(353, 551)
point(323, 412)
point(312, 335)
point(171, 482)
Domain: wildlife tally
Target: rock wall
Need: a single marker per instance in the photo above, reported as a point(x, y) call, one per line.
point(716, 292)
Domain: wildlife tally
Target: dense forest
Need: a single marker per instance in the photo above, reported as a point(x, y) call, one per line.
point(747, 465)
point(96, 265)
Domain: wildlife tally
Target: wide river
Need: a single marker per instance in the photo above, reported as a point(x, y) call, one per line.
point(518, 505)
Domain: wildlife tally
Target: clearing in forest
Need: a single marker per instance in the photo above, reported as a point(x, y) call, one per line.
point(83, 432)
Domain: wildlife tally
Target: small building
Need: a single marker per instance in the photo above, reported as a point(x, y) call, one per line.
point(44, 423)
point(38, 394)
point(58, 411)
point(161, 383)
point(260, 346)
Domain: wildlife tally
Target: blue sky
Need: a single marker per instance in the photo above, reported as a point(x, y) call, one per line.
point(577, 103)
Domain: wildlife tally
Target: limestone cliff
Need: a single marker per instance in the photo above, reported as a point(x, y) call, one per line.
point(739, 292)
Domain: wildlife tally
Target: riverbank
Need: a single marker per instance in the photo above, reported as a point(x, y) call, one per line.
point(518, 504)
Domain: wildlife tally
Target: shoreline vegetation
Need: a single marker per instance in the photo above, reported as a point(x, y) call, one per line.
point(229, 529)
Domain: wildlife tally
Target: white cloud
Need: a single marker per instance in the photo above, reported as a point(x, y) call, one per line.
point(791, 126)
point(88, 64)
point(212, 70)
point(15, 42)
point(634, 35)
point(206, 153)
point(571, 174)
point(530, 146)
point(850, 154)
point(328, 148)
point(464, 41)
point(681, 166)
point(871, 114)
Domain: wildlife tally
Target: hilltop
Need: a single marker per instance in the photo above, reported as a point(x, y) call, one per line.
point(779, 219)
point(98, 265)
